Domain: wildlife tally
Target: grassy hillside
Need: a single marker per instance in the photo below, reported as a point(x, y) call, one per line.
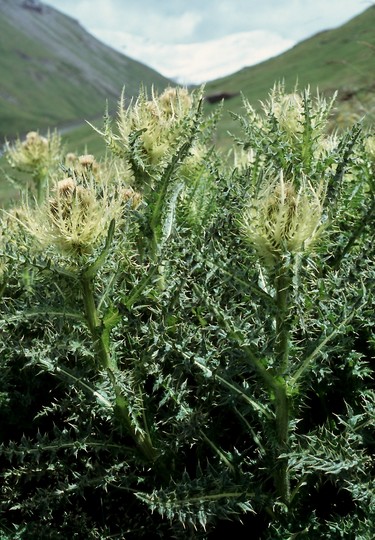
point(53, 72)
point(341, 59)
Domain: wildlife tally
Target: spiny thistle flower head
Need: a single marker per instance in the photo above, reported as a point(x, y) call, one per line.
point(130, 197)
point(289, 111)
point(71, 159)
point(82, 164)
point(283, 219)
point(35, 152)
point(88, 162)
point(159, 122)
point(293, 110)
point(74, 219)
point(175, 102)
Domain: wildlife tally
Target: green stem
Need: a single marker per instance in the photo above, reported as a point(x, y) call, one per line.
point(94, 323)
point(283, 283)
point(105, 362)
point(282, 299)
point(276, 384)
point(40, 182)
point(282, 480)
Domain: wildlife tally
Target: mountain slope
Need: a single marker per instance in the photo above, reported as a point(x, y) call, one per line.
point(341, 59)
point(52, 71)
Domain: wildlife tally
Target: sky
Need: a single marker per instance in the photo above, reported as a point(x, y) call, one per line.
point(195, 41)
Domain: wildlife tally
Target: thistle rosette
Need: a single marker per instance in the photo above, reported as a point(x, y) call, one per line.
point(283, 219)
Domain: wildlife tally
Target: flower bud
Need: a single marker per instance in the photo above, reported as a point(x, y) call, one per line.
point(35, 152)
point(87, 163)
point(70, 159)
point(86, 160)
point(129, 195)
point(289, 111)
point(281, 219)
point(74, 219)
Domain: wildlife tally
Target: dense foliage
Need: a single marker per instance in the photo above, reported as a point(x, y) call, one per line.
point(187, 336)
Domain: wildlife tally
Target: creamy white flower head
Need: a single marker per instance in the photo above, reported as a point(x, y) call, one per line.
point(294, 111)
point(158, 121)
point(35, 151)
point(130, 197)
point(70, 159)
point(282, 219)
point(175, 102)
point(33, 138)
point(74, 219)
point(86, 160)
point(289, 111)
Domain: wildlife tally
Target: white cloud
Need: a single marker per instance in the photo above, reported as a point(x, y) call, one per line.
point(194, 63)
point(168, 27)
point(91, 12)
point(139, 17)
point(180, 21)
point(201, 40)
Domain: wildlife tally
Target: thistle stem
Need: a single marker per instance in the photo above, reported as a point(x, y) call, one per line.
point(282, 480)
point(282, 299)
point(105, 362)
point(40, 181)
point(94, 323)
point(282, 349)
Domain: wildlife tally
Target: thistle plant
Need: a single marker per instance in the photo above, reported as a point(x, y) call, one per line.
point(282, 223)
point(149, 132)
point(298, 192)
point(37, 155)
point(77, 223)
point(153, 137)
point(186, 341)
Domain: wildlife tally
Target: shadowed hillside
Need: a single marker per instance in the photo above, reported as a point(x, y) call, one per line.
point(53, 72)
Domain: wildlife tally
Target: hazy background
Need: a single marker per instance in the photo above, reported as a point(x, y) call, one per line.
point(195, 41)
